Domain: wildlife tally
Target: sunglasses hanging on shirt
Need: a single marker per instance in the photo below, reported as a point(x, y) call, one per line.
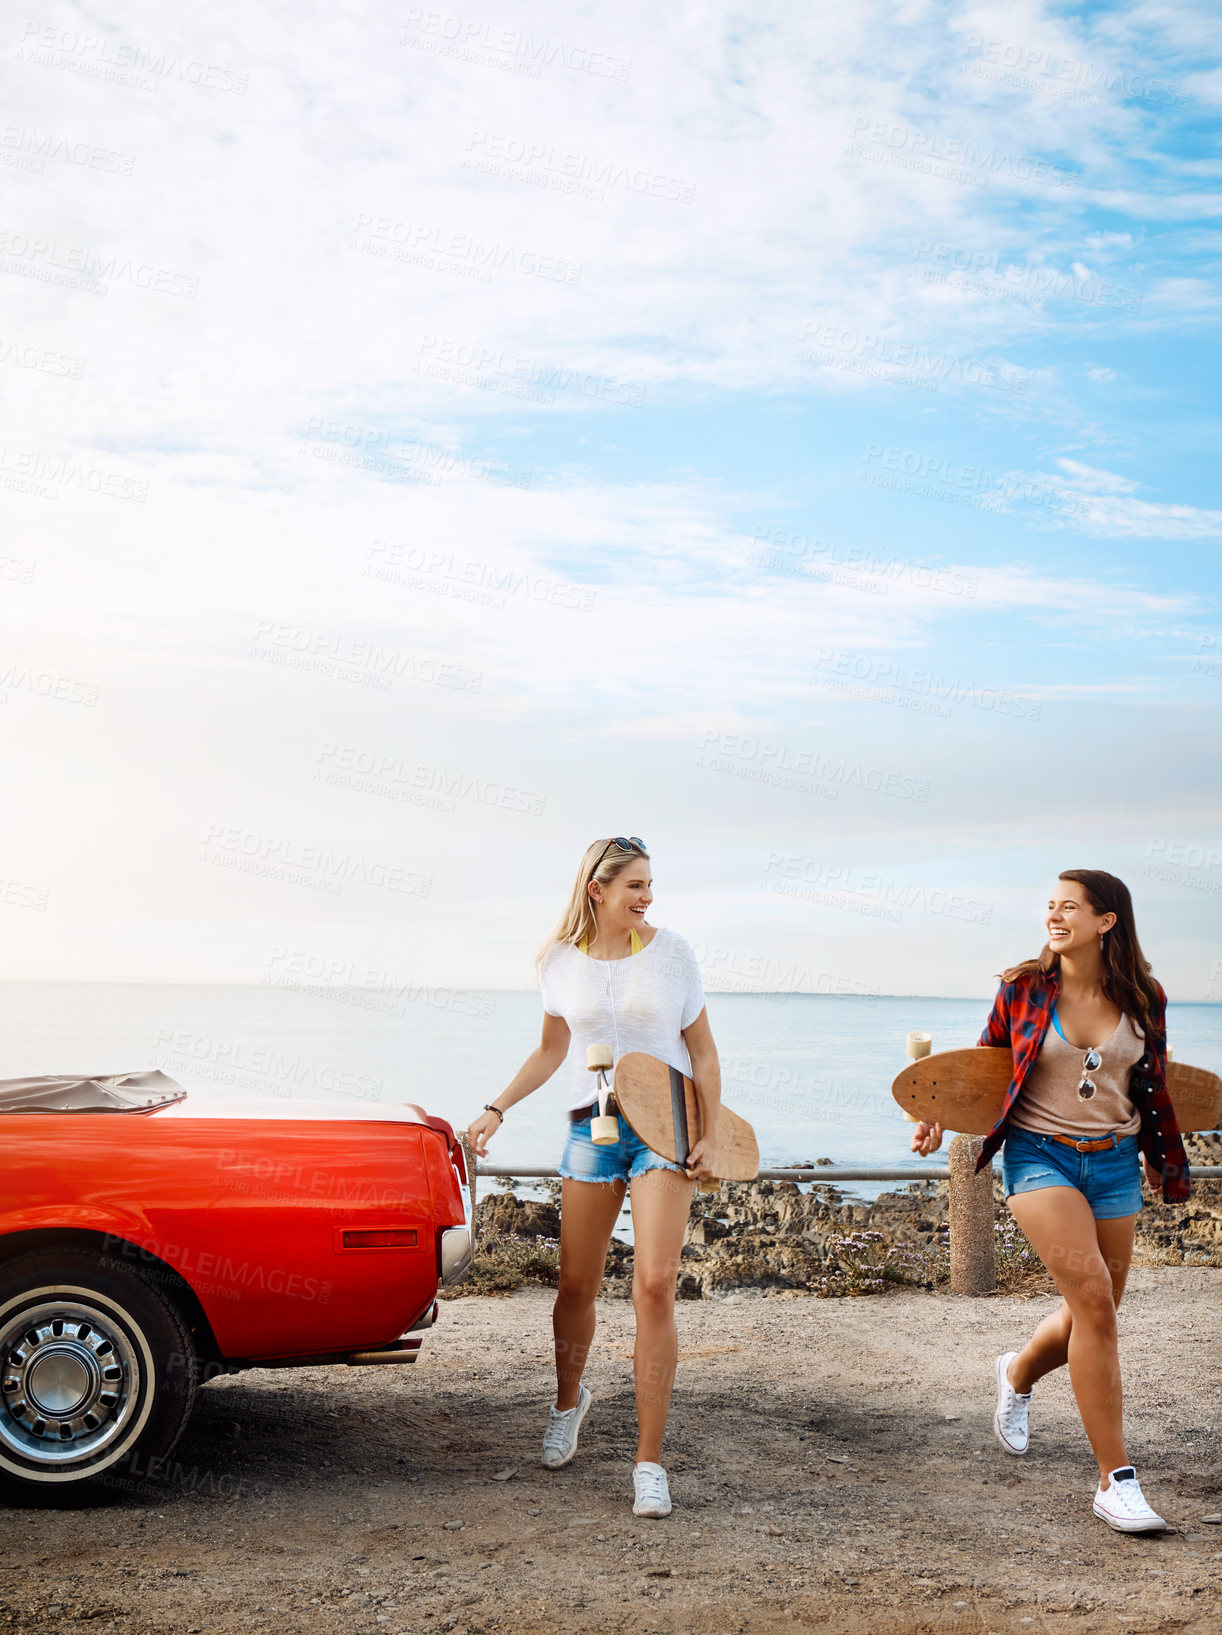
point(1092, 1061)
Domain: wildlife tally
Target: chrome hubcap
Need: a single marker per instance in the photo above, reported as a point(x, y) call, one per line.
point(60, 1380)
point(68, 1375)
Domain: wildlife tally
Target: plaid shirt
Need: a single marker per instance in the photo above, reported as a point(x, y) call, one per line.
point(1022, 1015)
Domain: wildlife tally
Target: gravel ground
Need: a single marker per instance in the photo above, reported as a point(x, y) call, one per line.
point(831, 1461)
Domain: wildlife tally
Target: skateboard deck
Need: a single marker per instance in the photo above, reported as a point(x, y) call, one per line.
point(964, 1090)
point(660, 1105)
point(1197, 1097)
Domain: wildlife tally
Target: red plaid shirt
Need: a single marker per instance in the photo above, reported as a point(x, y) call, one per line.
point(1022, 1015)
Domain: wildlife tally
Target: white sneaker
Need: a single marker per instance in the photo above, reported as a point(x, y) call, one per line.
point(652, 1495)
point(1123, 1506)
point(560, 1438)
point(1010, 1420)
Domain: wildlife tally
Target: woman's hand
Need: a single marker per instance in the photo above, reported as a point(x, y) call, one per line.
point(926, 1138)
point(1154, 1179)
point(481, 1130)
point(706, 1079)
point(700, 1159)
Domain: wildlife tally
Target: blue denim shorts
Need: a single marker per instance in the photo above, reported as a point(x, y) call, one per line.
point(1110, 1180)
point(628, 1158)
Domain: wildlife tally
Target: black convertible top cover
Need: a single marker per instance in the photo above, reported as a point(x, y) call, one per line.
point(112, 1093)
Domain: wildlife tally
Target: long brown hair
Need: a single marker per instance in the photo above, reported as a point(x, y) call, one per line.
point(1127, 980)
point(578, 919)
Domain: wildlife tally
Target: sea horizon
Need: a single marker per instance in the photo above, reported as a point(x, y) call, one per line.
point(355, 987)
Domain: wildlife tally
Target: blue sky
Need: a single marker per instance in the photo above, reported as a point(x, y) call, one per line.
point(432, 443)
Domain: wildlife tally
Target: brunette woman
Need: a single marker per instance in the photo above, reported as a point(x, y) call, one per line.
point(609, 978)
point(1086, 1023)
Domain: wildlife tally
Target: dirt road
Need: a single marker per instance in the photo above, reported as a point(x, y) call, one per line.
point(831, 1463)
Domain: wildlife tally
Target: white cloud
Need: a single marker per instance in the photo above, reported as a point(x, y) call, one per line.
point(1109, 241)
point(1116, 512)
point(1090, 480)
point(1128, 518)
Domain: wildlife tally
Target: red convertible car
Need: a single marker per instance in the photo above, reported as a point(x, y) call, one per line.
point(150, 1239)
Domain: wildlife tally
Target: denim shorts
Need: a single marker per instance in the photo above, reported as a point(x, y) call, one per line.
point(1109, 1180)
point(628, 1158)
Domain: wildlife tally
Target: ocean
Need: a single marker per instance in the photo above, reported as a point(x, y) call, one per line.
point(810, 1072)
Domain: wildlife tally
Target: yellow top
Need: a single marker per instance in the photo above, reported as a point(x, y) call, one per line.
point(635, 944)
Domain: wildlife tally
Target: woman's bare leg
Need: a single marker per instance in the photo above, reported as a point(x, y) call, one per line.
point(661, 1202)
point(1048, 1347)
point(1065, 1235)
point(588, 1212)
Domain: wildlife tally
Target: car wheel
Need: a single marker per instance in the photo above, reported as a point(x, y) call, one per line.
point(97, 1372)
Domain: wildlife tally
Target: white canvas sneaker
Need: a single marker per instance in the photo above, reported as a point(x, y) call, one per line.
point(1123, 1506)
point(560, 1438)
point(1010, 1420)
point(651, 1491)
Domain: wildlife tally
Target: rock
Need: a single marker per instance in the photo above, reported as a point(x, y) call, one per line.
point(507, 1216)
point(454, 1526)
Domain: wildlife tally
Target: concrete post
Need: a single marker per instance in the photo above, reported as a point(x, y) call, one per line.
point(973, 1260)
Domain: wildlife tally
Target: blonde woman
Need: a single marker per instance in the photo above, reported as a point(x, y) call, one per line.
point(607, 977)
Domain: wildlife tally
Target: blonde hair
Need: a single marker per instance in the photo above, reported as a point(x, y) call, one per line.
point(579, 919)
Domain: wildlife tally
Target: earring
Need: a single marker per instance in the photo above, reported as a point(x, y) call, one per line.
point(1101, 942)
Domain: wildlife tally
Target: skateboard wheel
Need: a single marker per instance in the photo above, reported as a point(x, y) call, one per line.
point(919, 1045)
point(598, 1057)
point(604, 1130)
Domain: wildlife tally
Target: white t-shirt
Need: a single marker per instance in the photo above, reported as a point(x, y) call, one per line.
point(641, 1002)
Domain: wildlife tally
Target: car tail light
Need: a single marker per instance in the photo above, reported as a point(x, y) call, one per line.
point(378, 1238)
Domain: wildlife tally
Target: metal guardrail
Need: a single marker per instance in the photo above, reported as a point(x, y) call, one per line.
point(820, 1172)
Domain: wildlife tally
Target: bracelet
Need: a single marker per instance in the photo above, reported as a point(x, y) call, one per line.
point(489, 1108)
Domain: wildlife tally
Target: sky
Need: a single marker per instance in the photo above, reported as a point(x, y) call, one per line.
point(432, 439)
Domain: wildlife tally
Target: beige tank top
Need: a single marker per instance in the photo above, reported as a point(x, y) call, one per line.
point(1048, 1103)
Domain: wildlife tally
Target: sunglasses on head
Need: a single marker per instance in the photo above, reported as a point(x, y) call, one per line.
point(626, 843)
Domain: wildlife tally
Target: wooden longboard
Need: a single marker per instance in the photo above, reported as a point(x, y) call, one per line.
point(660, 1105)
point(964, 1090)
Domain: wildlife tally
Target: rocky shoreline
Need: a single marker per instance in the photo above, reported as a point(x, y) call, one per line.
point(771, 1238)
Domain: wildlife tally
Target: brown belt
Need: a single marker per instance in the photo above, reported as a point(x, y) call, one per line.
point(1089, 1146)
point(580, 1114)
